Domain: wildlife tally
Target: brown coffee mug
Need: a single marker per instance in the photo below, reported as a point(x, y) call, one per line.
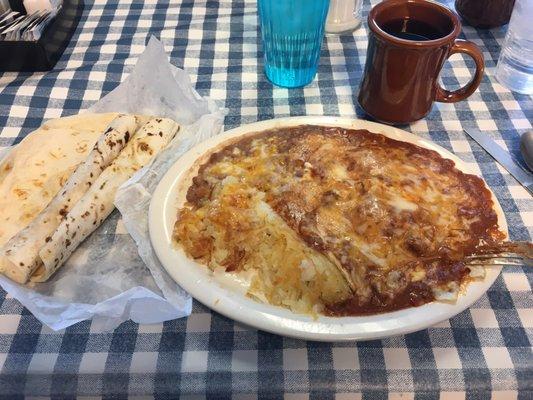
point(408, 43)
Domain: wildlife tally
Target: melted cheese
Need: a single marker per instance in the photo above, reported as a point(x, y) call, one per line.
point(364, 206)
point(339, 172)
point(400, 204)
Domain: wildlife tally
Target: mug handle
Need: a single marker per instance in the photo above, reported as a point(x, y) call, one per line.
point(463, 46)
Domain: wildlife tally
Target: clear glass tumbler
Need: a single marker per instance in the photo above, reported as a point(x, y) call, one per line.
point(515, 66)
point(292, 33)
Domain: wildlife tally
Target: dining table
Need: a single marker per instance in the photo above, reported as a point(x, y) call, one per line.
point(483, 352)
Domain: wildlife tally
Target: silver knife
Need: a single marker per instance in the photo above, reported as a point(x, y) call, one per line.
point(525, 178)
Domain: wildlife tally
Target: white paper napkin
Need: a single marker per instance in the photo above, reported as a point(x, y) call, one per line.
point(114, 275)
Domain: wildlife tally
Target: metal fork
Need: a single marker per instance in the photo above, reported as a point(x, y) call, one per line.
point(507, 253)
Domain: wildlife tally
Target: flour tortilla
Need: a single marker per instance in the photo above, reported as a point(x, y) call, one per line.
point(34, 170)
point(19, 256)
point(95, 206)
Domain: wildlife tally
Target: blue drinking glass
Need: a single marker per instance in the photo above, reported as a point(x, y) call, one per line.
point(292, 32)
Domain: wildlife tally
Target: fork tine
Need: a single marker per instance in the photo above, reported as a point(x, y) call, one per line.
point(496, 261)
point(523, 248)
point(507, 253)
point(509, 256)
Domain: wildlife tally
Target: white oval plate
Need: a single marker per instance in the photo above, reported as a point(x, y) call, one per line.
point(229, 301)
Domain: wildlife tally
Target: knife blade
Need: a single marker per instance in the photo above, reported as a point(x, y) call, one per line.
point(525, 178)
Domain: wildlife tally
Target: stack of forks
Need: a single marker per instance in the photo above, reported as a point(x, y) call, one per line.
point(15, 26)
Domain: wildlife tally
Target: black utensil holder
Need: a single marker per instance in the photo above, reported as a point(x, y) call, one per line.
point(41, 54)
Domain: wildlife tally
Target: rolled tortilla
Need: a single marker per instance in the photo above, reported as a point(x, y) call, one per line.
point(34, 171)
point(95, 206)
point(19, 257)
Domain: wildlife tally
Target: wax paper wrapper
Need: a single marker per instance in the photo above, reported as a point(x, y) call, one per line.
point(114, 275)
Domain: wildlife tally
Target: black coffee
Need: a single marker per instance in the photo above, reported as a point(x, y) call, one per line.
point(412, 29)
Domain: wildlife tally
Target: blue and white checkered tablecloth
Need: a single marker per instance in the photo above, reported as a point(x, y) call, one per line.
point(483, 352)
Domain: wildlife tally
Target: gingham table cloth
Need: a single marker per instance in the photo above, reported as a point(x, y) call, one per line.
point(481, 353)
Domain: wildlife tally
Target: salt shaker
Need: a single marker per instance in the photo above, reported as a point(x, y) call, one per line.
point(343, 16)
